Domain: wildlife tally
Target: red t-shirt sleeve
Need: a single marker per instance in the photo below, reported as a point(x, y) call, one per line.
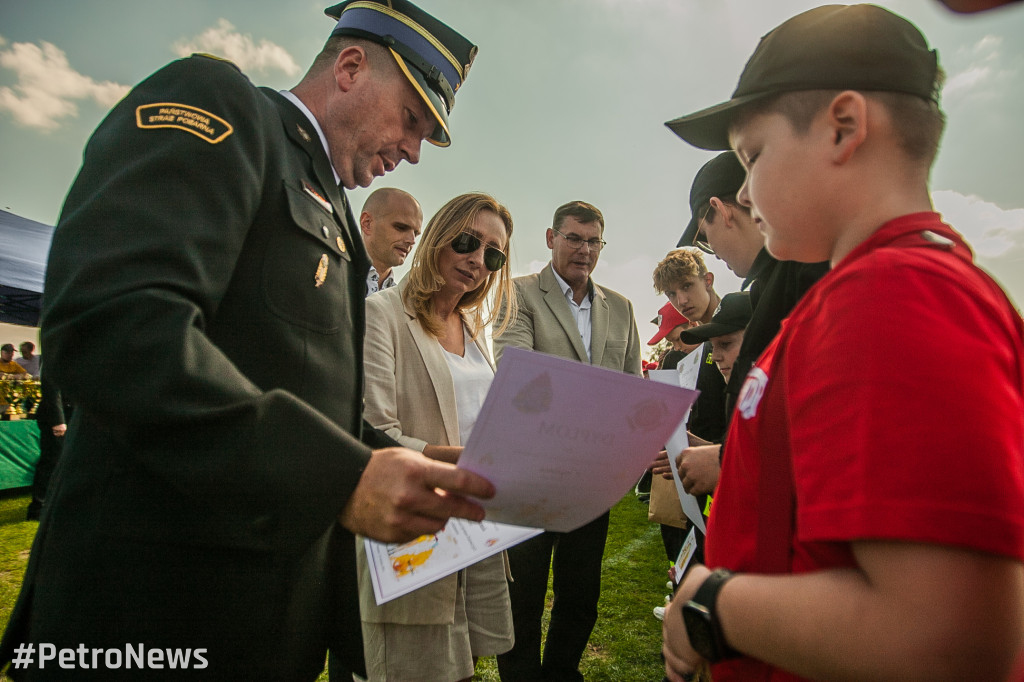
point(908, 418)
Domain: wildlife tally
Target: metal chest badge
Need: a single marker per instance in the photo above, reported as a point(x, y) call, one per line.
point(321, 271)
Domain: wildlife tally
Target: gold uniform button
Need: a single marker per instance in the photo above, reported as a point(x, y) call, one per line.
point(341, 244)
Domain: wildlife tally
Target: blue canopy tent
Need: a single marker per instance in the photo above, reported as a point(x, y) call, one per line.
point(24, 246)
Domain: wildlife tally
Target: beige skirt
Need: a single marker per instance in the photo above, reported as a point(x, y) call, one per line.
point(444, 653)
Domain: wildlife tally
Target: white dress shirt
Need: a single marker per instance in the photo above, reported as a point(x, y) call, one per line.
point(580, 312)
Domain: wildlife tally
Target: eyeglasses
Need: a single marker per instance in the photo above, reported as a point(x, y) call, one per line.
point(576, 242)
point(703, 244)
point(467, 242)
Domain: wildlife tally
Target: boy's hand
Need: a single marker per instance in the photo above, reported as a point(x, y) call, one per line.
point(681, 660)
point(699, 469)
point(661, 467)
point(402, 495)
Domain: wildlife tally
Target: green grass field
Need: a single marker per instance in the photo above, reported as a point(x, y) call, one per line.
point(625, 645)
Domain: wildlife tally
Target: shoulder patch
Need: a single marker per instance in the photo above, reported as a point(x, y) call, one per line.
point(200, 123)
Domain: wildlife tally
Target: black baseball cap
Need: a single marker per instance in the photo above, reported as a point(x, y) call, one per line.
point(733, 314)
point(834, 47)
point(720, 177)
point(433, 56)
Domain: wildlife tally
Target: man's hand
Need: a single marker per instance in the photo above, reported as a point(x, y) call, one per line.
point(699, 469)
point(402, 495)
point(680, 658)
point(60, 429)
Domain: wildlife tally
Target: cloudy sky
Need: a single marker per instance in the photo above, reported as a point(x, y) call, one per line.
point(566, 100)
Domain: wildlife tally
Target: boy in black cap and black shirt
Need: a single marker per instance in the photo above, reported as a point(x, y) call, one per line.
point(720, 225)
point(724, 332)
point(845, 506)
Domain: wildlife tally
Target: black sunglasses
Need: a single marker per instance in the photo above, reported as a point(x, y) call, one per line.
point(467, 242)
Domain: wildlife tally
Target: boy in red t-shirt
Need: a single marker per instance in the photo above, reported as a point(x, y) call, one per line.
point(869, 520)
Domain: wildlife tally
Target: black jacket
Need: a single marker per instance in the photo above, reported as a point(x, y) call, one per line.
point(195, 505)
point(775, 287)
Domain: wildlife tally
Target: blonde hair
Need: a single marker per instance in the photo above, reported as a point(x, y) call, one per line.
point(676, 266)
point(425, 279)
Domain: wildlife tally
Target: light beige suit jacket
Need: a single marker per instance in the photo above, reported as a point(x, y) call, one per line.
point(410, 396)
point(546, 324)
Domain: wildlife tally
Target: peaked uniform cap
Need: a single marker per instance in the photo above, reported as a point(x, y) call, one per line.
point(435, 58)
point(834, 47)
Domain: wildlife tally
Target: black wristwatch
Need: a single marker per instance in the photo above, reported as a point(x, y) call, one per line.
point(702, 626)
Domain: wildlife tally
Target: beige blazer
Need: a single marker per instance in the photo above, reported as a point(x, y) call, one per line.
point(409, 394)
point(546, 324)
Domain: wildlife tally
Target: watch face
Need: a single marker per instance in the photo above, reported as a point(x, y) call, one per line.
point(698, 628)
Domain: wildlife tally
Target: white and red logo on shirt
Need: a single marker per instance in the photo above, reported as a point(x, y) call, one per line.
point(752, 392)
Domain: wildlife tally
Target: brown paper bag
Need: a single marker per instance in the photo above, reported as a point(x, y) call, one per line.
point(664, 506)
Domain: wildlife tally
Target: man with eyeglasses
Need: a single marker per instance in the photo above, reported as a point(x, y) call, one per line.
point(563, 312)
point(719, 225)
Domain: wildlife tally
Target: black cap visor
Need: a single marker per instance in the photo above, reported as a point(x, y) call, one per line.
point(709, 128)
point(704, 332)
point(690, 233)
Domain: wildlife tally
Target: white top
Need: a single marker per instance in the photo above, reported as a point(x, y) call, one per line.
point(581, 312)
point(472, 376)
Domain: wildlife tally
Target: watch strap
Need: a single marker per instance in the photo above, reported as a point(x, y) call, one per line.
point(707, 597)
point(707, 593)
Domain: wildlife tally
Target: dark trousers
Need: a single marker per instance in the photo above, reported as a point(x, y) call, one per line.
point(50, 447)
point(673, 539)
point(576, 565)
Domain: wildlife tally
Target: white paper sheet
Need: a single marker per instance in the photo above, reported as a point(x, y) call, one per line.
point(563, 441)
point(678, 569)
point(679, 440)
point(397, 569)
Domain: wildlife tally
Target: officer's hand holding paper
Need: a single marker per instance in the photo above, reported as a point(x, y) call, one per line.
point(562, 442)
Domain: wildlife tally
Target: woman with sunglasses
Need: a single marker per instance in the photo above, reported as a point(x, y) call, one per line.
point(428, 370)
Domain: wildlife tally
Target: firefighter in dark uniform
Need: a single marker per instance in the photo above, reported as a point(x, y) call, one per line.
point(214, 476)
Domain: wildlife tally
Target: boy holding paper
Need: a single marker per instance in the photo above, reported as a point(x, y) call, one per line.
point(847, 540)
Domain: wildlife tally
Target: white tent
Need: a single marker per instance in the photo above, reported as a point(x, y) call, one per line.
point(24, 246)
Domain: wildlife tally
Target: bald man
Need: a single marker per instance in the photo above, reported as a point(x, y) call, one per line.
point(390, 222)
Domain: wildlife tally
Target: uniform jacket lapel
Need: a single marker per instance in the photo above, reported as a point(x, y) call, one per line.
point(555, 300)
point(302, 133)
